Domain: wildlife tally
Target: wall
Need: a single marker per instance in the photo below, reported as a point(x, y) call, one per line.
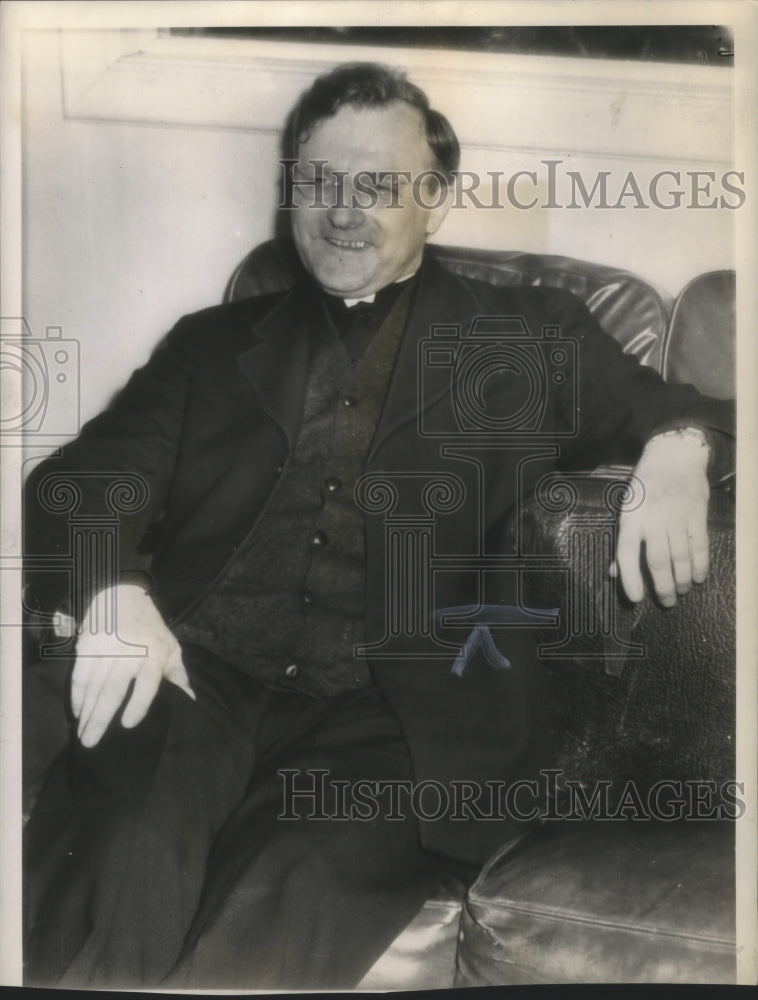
point(149, 170)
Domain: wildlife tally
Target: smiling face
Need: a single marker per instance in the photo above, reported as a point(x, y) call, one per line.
point(351, 250)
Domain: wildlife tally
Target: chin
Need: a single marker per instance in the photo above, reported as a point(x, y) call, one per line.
point(342, 284)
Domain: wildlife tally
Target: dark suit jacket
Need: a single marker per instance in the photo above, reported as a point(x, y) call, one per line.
point(209, 423)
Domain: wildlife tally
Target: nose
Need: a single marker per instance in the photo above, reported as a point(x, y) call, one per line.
point(343, 212)
point(345, 216)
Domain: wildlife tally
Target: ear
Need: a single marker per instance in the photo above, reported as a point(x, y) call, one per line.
point(438, 203)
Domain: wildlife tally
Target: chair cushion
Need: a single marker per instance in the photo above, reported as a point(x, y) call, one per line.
point(626, 307)
point(613, 902)
point(422, 957)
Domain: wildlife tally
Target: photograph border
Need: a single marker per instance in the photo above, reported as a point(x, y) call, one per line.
point(18, 17)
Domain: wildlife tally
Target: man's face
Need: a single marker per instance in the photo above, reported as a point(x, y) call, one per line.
point(350, 250)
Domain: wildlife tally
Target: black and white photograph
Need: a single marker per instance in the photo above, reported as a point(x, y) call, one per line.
point(378, 567)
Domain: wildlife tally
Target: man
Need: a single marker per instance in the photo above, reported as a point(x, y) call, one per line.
point(272, 436)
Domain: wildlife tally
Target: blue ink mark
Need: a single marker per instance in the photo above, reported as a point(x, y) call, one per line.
point(481, 636)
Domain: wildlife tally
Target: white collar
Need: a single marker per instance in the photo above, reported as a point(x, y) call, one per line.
point(354, 302)
point(370, 298)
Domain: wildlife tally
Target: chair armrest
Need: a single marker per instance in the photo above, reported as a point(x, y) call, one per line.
point(635, 690)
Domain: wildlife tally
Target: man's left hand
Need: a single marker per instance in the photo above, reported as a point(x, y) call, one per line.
point(671, 520)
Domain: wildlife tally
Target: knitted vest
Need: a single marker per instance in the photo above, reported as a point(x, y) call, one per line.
point(289, 609)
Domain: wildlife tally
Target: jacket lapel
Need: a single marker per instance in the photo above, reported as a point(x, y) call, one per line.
point(277, 366)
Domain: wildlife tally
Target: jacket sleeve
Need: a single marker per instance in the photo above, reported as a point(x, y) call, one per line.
point(115, 475)
point(615, 404)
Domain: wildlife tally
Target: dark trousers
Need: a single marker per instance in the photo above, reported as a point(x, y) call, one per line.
point(161, 855)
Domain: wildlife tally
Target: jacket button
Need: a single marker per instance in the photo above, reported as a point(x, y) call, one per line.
point(332, 484)
point(279, 469)
point(319, 539)
point(309, 597)
point(349, 401)
point(292, 670)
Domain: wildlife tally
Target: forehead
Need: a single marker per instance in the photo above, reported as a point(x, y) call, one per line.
point(391, 137)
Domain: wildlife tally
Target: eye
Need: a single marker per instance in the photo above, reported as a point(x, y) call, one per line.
point(387, 187)
point(327, 182)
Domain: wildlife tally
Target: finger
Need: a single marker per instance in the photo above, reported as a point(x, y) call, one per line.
point(697, 537)
point(176, 672)
point(658, 557)
point(146, 686)
point(98, 675)
point(109, 698)
point(681, 566)
point(628, 559)
point(80, 677)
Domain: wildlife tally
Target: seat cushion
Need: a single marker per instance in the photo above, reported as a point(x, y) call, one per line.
point(604, 902)
point(422, 957)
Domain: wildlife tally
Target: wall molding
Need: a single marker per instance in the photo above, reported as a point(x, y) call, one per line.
point(667, 113)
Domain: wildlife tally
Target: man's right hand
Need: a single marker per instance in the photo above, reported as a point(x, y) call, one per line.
point(100, 679)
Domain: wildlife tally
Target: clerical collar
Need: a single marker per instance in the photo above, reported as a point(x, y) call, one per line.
point(354, 302)
point(371, 298)
point(356, 325)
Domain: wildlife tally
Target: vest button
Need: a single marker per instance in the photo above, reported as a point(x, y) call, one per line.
point(332, 484)
point(349, 401)
point(279, 469)
point(319, 539)
point(292, 670)
point(309, 597)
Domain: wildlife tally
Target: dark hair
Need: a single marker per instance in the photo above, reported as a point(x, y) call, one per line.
point(369, 85)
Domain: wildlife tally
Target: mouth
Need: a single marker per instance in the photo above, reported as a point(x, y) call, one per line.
point(347, 244)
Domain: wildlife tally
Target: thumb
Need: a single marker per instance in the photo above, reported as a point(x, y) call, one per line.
point(176, 672)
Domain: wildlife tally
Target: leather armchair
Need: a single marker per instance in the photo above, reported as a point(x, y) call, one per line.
point(638, 693)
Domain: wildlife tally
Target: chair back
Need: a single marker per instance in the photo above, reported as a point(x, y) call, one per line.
point(700, 343)
point(628, 308)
